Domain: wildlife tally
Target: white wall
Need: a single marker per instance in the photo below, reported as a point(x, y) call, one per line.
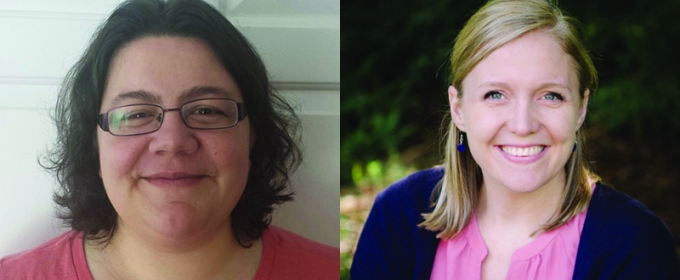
point(298, 39)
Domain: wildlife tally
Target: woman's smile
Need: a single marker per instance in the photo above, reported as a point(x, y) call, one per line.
point(523, 154)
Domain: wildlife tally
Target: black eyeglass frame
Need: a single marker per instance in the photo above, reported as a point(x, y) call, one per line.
point(103, 120)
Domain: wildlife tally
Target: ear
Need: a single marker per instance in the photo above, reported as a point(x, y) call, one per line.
point(583, 109)
point(455, 105)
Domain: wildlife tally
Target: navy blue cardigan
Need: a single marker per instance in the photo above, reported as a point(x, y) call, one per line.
point(621, 239)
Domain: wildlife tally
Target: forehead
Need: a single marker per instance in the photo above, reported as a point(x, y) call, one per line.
point(534, 58)
point(167, 68)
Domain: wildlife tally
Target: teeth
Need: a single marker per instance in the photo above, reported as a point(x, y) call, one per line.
point(523, 152)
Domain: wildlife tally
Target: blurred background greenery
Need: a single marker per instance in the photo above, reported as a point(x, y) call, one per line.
point(394, 77)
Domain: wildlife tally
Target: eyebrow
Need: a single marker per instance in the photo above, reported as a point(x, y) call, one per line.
point(559, 85)
point(202, 91)
point(542, 86)
point(193, 93)
point(140, 95)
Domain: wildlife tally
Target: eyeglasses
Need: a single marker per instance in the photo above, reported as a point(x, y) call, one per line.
point(210, 113)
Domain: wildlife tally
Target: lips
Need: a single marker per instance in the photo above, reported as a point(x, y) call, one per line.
point(174, 179)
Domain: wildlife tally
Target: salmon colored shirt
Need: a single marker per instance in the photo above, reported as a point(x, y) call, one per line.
point(285, 255)
point(551, 255)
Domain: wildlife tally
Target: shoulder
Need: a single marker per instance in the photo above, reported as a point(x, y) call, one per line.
point(296, 257)
point(622, 237)
point(614, 210)
point(402, 204)
point(51, 259)
point(391, 245)
point(398, 209)
point(414, 191)
point(290, 243)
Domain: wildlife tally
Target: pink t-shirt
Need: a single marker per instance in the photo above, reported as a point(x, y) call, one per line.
point(551, 255)
point(285, 255)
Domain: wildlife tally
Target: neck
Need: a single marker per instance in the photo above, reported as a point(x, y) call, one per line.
point(133, 256)
point(504, 208)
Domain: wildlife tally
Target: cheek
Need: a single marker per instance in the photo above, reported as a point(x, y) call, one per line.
point(483, 124)
point(233, 153)
point(230, 153)
point(561, 124)
point(118, 156)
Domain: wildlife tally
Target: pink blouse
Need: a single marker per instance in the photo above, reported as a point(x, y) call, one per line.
point(285, 255)
point(550, 256)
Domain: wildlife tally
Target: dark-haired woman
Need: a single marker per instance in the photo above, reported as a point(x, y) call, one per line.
point(172, 150)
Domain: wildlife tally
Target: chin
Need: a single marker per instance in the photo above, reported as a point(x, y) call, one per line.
point(521, 188)
point(522, 184)
point(178, 223)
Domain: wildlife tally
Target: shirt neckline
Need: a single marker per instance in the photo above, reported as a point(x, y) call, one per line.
point(528, 251)
point(264, 269)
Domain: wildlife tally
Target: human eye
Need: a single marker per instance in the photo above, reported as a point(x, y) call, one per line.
point(206, 111)
point(138, 115)
point(208, 114)
point(552, 96)
point(495, 95)
point(131, 117)
point(131, 114)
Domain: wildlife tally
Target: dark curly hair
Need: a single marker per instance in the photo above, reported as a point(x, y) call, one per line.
point(84, 204)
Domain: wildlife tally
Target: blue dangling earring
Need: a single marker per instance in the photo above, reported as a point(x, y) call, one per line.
point(574, 149)
point(461, 146)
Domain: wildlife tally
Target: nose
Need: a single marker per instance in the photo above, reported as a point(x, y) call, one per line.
point(173, 137)
point(523, 119)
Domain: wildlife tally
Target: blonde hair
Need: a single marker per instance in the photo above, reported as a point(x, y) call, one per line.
point(495, 24)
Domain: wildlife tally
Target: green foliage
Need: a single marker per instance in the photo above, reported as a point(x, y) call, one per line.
point(378, 174)
point(345, 264)
point(393, 76)
point(346, 257)
point(635, 45)
point(370, 178)
point(627, 105)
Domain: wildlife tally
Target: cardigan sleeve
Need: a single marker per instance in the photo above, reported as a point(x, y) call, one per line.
point(622, 239)
point(391, 245)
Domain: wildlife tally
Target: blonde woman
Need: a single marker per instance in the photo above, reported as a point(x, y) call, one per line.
point(514, 198)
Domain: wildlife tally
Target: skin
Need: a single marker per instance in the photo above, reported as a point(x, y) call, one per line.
point(512, 98)
point(173, 189)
